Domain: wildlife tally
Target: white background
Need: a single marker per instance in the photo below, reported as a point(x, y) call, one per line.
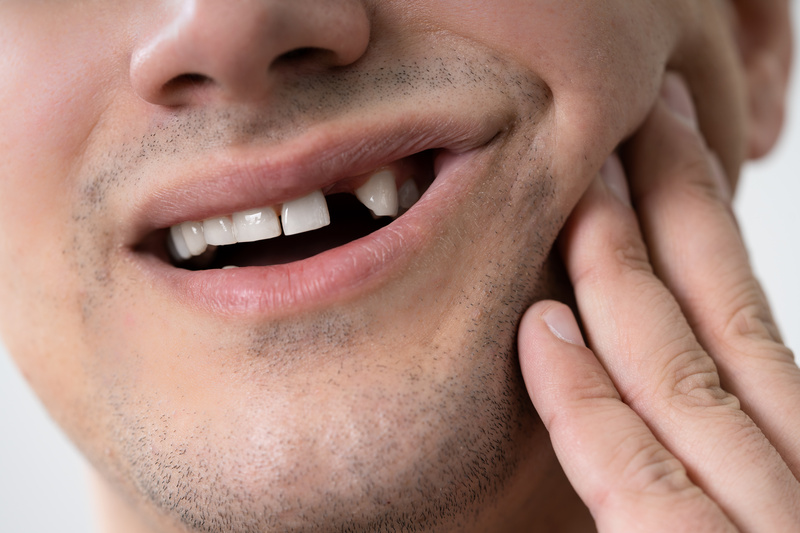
point(43, 486)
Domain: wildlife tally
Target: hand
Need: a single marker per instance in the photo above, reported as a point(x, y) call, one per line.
point(684, 412)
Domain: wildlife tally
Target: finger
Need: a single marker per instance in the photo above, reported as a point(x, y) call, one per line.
point(637, 330)
point(683, 204)
point(627, 479)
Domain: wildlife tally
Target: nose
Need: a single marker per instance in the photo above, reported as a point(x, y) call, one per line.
point(235, 50)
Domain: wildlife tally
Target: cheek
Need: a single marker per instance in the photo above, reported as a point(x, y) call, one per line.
point(603, 62)
point(49, 106)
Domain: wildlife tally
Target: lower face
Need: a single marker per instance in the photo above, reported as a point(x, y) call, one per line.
point(389, 396)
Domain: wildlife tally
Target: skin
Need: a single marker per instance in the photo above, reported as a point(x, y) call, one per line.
point(688, 422)
point(399, 404)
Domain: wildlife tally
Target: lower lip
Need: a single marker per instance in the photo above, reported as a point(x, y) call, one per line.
point(324, 278)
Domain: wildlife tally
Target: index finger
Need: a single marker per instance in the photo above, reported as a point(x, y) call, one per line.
point(637, 330)
point(697, 250)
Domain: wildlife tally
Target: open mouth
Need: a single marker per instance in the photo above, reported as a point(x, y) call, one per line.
point(300, 228)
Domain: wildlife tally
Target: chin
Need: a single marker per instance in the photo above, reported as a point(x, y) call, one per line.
point(342, 420)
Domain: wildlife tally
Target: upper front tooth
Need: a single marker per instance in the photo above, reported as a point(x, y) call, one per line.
point(305, 214)
point(219, 231)
point(195, 240)
point(256, 224)
point(379, 194)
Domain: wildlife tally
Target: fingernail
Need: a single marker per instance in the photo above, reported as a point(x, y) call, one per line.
point(613, 175)
point(675, 93)
point(561, 322)
point(721, 178)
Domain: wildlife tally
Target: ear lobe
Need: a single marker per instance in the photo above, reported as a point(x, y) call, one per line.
point(763, 31)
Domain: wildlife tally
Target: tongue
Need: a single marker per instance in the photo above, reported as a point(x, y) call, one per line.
point(350, 220)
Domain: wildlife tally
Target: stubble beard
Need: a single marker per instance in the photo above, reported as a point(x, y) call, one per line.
point(448, 444)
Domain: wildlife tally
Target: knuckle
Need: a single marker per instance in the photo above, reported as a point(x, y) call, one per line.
point(709, 398)
point(624, 256)
point(653, 469)
point(629, 255)
point(684, 368)
point(676, 366)
point(695, 384)
point(759, 354)
point(750, 319)
point(719, 410)
point(692, 373)
point(687, 511)
point(748, 334)
point(611, 246)
point(660, 490)
point(595, 395)
point(696, 172)
point(689, 380)
point(781, 352)
point(645, 467)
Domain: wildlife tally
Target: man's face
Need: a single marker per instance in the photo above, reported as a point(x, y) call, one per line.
point(342, 377)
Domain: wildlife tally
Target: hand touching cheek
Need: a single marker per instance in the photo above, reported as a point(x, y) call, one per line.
point(683, 413)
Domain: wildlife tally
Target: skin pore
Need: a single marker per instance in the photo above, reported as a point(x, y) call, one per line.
point(397, 403)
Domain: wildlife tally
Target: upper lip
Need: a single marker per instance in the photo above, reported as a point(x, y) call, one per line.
point(254, 176)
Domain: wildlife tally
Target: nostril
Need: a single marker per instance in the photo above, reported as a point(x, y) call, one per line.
point(187, 81)
point(210, 51)
point(304, 56)
point(183, 89)
point(297, 53)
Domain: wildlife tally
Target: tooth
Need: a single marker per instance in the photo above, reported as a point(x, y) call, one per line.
point(305, 214)
point(408, 194)
point(256, 225)
point(219, 231)
point(379, 194)
point(193, 236)
point(177, 244)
